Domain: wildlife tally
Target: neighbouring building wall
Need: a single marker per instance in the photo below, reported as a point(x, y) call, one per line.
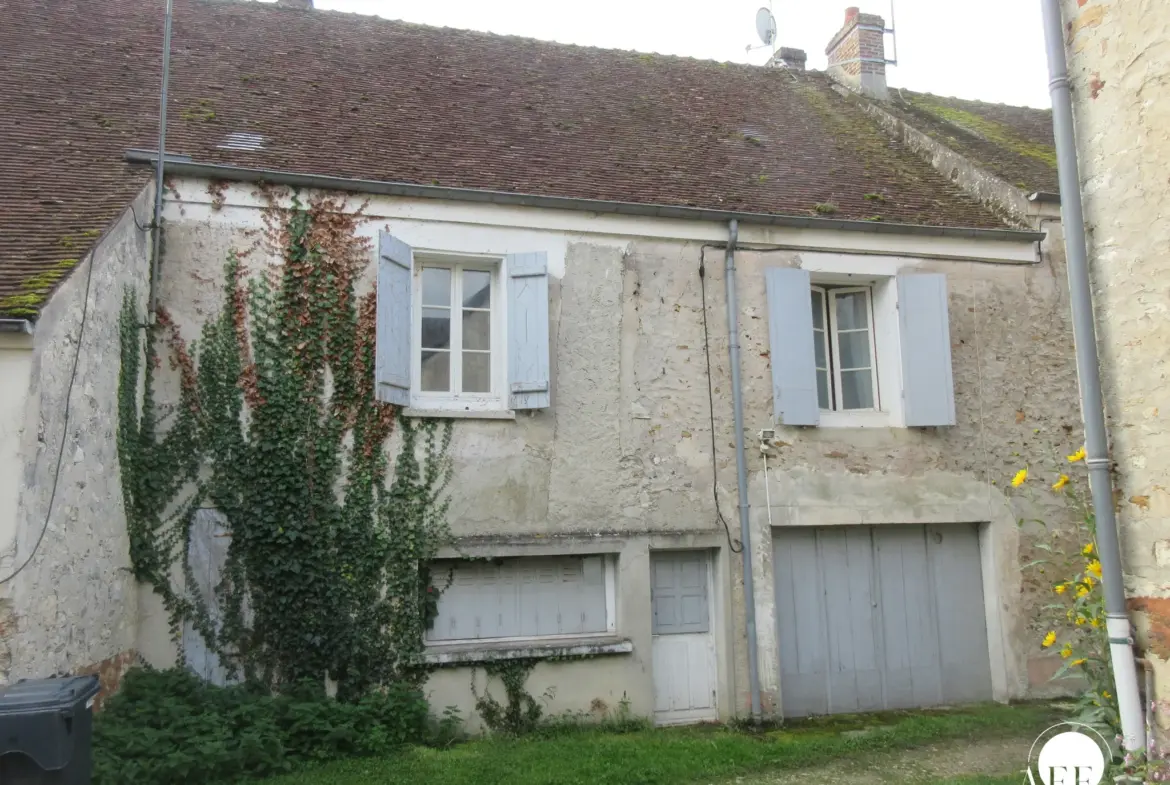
point(621, 463)
point(1119, 62)
point(73, 607)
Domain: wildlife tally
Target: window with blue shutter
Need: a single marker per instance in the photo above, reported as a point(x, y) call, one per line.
point(791, 346)
point(465, 334)
point(394, 324)
point(924, 327)
point(528, 365)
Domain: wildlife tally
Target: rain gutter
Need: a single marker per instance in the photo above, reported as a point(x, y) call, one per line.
point(185, 166)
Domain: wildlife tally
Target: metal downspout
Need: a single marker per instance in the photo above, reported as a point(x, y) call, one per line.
point(749, 593)
point(1088, 369)
point(158, 172)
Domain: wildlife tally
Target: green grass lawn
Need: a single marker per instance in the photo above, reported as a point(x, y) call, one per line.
point(671, 756)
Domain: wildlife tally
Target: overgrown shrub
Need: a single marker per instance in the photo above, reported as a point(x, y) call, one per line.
point(170, 727)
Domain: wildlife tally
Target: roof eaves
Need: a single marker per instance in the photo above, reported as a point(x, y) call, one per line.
point(185, 165)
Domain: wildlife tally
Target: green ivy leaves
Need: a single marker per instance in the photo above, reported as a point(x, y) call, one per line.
point(277, 428)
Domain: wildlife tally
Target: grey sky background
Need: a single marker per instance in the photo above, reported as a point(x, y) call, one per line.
point(991, 50)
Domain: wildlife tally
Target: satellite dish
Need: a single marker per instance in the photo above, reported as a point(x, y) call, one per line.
point(766, 26)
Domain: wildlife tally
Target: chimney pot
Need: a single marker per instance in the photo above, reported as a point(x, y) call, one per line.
point(851, 12)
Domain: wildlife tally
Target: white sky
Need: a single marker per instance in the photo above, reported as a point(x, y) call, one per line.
point(991, 50)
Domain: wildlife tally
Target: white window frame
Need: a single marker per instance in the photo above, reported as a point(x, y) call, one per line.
point(835, 359)
point(829, 294)
point(608, 577)
point(496, 399)
point(827, 348)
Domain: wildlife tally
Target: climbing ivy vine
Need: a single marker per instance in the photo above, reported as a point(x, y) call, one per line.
point(276, 426)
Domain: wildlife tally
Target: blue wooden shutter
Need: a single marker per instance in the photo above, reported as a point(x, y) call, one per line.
point(528, 373)
point(394, 323)
point(790, 338)
point(928, 388)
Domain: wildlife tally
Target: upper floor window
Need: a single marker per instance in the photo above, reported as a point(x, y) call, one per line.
point(461, 334)
point(855, 349)
point(843, 344)
point(456, 353)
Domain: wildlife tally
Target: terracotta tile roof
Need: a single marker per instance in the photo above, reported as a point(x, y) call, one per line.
point(359, 96)
point(1013, 142)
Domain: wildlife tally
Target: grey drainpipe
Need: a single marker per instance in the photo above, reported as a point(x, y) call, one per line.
point(745, 535)
point(158, 173)
point(1092, 405)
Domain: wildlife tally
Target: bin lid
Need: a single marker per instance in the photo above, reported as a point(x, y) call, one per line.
point(33, 695)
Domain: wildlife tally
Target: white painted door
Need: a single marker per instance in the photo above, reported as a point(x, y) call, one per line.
point(684, 646)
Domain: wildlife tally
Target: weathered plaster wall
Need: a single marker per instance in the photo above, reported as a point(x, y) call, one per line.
point(626, 447)
point(1119, 62)
point(74, 605)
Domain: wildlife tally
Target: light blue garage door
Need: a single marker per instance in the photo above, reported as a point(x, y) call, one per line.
point(879, 617)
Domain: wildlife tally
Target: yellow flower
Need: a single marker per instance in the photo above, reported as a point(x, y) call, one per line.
point(1049, 639)
point(1018, 480)
point(1063, 481)
point(1061, 588)
point(1095, 568)
point(1081, 661)
point(1094, 623)
point(1082, 591)
point(1105, 694)
point(1066, 650)
point(1089, 581)
point(1080, 620)
point(1087, 550)
point(1079, 455)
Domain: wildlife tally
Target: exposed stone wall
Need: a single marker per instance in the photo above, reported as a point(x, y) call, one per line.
point(74, 605)
point(1119, 63)
point(622, 460)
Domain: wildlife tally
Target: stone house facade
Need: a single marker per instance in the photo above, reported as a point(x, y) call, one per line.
point(1119, 68)
point(553, 278)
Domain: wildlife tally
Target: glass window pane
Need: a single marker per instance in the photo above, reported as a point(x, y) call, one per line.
point(436, 328)
point(477, 372)
point(436, 286)
point(818, 300)
point(852, 312)
point(436, 372)
point(477, 289)
point(477, 330)
point(857, 389)
point(854, 349)
point(823, 390)
point(819, 348)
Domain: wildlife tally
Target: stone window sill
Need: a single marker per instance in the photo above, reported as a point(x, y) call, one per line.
point(475, 653)
point(461, 414)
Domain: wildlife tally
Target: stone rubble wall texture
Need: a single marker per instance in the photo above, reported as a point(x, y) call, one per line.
point(1119, 65)
point(625, 448)
point(73, 609)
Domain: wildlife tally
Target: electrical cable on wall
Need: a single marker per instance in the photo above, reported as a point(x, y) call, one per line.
point(734, 545)
point(64, 427)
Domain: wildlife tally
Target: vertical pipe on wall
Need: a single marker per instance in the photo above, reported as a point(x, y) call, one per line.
point(158, 172)
point(1088, 369)
point(749, 593)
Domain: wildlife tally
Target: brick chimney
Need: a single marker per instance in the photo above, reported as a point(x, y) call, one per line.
point(857, 54)
point(790, 58)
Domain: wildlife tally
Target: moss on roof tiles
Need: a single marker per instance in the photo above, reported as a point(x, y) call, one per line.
point(1013, 142)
